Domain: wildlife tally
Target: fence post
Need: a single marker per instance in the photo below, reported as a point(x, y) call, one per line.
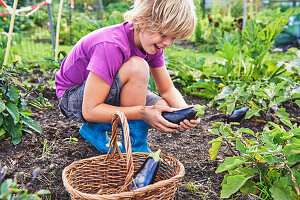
point(57, 29)
point(244, 13)
point(51, 27)
point(11, 28)
point(100, 9)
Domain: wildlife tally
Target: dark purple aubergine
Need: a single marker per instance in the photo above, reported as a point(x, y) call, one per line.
point(237, 115)
point(179, 115)
point(147, 172)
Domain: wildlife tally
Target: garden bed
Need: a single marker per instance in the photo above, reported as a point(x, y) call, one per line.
point(53, 150)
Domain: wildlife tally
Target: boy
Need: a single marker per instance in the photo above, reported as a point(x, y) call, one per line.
point(108, 70)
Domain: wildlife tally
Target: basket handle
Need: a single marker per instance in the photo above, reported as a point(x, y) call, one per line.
point(117, 118)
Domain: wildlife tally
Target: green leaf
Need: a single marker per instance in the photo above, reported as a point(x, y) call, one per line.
point(2, 133)
point(214, 131)
point(272, 159)
point(291, 148)
point(246, 130)
point(200, 110)
point(5, 186)
point(287, 135)
point(230, 164)
point(231, 101)
point(293, 158)
point(282, 113)
point(248, 187)
point(2, 106)
point(13, 94)
point(43, 192)
point(240, 146)
point(13, 110)
point(298, 103)
point(252, 112)
point(16, 133)
point(216, 124)
point(227, 90)
point(247, 172)
point(216, 144)
point(297, 176)
point(286, 121)
point(234, 183)
point(31, 124)
point(281, 190)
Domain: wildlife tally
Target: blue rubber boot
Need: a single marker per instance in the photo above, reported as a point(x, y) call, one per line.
point(138, 130)
point(95, 133)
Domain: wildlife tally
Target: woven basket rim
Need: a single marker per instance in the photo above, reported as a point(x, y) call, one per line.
point(144, 189)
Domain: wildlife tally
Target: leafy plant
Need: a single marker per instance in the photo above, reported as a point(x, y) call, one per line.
point(260, 96)
point(264, 165)
point(183, 73)
point(14, 102)
point(11, 191)
point(258, 42)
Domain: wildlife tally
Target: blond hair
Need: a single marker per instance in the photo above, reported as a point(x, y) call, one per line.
point(175, 18)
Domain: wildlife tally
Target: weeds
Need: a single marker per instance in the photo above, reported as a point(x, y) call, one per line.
point(47, 148)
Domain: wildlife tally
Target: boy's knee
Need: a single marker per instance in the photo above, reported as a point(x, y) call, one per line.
point(138, 65)
point(135, 67)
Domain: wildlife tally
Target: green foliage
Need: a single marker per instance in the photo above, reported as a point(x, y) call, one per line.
point(50, 65)
point(90, 24)
point(10, 190)
point(184, 73)
point(266, 165)
point(14, 113)
point(250, 79)
point(257, 43)
point(260, 96)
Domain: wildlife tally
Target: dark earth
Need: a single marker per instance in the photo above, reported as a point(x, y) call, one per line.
point(53, 150)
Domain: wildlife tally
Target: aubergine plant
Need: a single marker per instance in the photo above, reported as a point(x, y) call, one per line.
point(259, 96)
point(14, 101)
point(264, 165)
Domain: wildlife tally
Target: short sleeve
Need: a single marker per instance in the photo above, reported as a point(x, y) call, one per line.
point(105, 60)
point(157, 60)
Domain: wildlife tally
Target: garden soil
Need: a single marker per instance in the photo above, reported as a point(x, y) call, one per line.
point(53, 150)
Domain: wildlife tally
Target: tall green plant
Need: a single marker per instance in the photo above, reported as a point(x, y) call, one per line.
point(257, 43)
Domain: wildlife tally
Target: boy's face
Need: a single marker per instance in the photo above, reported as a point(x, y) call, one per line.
point(152, 42)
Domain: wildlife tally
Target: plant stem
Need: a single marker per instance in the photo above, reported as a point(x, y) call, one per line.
point(293, 179)
point(230, 148)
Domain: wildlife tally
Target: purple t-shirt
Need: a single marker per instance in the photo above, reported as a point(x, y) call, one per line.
point(103, 52)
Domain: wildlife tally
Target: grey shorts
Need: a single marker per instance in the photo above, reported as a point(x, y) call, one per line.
point(70, 103)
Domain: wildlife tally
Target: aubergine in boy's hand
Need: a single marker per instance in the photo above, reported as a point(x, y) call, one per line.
point(192, 112)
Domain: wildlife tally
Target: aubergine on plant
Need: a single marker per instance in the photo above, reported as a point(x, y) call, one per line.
point(147, 172)
point(237, 115)
point(188, 113)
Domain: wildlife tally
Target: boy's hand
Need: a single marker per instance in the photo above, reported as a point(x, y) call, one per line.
point(152, 115)
point(186, 124)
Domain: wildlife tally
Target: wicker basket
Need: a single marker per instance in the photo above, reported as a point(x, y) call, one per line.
point(110, 176)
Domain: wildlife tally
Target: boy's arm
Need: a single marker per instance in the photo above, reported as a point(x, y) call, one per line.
point(166, 88)
point(173, 97)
